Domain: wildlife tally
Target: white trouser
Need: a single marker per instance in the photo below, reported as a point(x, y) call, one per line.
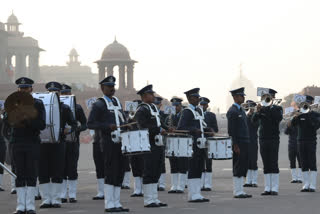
point(275, 182)
point(208, 180)
point(137, 185)
point(267, 182)
point(174, 181)
point(56, 189)
point(182, 181)
point(100, 187)
point(313, 179)
point(254, 174)
point(162, 180)
point(45, 190)
point(64, 189)
point(306, 180)
point(1, 179)
point(126, 179)
point(249, 177)
point(116, 197)
point(109, 196)
point(30, 199)
point(194, 189)
point(72, 188)
point(21, 198)
point(147, 191)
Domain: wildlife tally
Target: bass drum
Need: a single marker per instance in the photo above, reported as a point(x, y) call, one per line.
point(51, 101)
point(70, 100)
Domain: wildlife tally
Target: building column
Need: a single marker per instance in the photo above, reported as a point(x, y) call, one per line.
point(102, 72)
point(34, 70)
point(130, 76)
point(122, 81)
point(110, 70)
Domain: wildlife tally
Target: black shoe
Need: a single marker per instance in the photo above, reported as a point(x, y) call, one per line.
point(304, 190)
point(72, 200)
point(161, 189)
point(162, 204)
point(254, 185)
point(37, 198)
point(19, 212)
point(13, 192)
point(44, 206)
point(31, 212)
point(299, 181)
point(206, 189)
point(312, 190)
point(199, 200)
point(248, 196)
point(274, 193)
point(98, 198)
point(112, 210)
point(152, 205)
point(240, 196)
point(121, 209)
point(179, 192)
point(266, 193)
point(136, 195)
point(56, 205)
point(125, 187)
point(172, 191)
point(294, 181)
point(1, 189)
point(64, 200)
point(247, 185)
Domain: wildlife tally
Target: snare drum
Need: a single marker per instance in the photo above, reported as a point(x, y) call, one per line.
point(219, 148)
point(51, 134)
point(70, 100)
point(135, 142)
point(179, 146)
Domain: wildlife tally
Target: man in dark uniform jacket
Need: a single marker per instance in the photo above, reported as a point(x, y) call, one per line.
point(296, 173)
point(163, 116)
point(252, 174)
point(269, 118)
point(105, 117)
point(239, 132)
point(25, 152)
point(52, 157)
point(148, 117)
point(211, 121)
point(178, 165)
point(136, 162)
point(192, 120)
point(70, 179)
point(307, 124)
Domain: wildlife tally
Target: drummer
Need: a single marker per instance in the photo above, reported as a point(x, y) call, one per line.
point(178, 165)
point(25, 152)
point(105, 117)
point(72, 153)
point(192, 120)
point(211, 121)
point(148, 117)
point(52, 157)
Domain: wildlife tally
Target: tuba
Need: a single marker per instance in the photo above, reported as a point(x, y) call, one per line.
point(19, 107)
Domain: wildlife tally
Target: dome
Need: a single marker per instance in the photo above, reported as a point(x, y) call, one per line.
point(116, 51)
point(12, 19)
point(73, 52)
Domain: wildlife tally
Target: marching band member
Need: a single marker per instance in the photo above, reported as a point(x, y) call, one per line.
point(252, 174)
point(162, 179)
point(126, 179)
point(136, 162)
point(3, 149)
point(147, 117)
point(307, 125)
point(239, 132)
point(52, 157)
point(25, 152)
point(178, 165)
point(105, 117)
point(293, 153)
point(70, 180)
point(211, 121)
point(269, 118)
point(192, 120)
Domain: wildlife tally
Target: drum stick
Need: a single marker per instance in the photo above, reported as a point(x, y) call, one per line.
point(8, 170)
point(129, 124)
point(181, 131)
point(216, 135)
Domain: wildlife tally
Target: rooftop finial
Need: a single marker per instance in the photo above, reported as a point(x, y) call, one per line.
point(115, 39)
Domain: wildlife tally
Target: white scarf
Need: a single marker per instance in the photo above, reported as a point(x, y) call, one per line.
point(197, 116)
point(155, 113)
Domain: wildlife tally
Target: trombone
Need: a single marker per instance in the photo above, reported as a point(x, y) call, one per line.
point(307, 107)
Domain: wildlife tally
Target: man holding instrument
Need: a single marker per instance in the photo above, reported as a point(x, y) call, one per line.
point(211, 121)
point(148, 117)
point(239, 132)
point(178, 165)
point(25, 142)
point(192, 121)
point(105, 118)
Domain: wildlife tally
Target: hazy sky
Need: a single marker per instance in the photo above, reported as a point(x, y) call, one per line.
point(184, 44)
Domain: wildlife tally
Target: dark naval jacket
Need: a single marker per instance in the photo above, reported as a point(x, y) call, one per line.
point(147, 121)
point(66, 118)
point(307, 126)
point(253, 129)
point(292, 132)
point(269, 119)
point(211, 120)
point(81, 118)
point(30, 133)
point(100, 119)
point(237, 125)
